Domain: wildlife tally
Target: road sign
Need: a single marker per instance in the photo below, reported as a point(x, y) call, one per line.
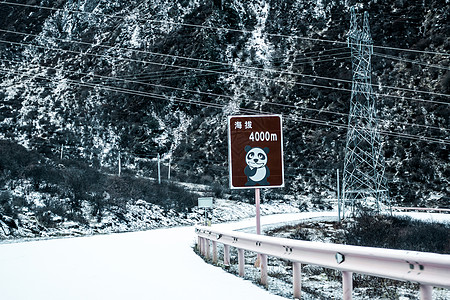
point(205, 202)
point(255, 151)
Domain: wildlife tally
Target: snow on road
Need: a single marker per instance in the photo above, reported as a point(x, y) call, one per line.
point(155, 264)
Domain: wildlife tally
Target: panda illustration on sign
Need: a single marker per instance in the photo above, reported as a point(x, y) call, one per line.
point(256, 170)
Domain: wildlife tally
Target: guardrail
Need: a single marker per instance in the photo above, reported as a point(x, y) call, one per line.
point(427, 269)
point(429, 209)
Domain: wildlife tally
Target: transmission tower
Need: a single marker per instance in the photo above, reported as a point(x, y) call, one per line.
point(364, 185)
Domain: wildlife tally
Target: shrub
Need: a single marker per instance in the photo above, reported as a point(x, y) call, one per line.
point(5, 204)
point(15, 158)
point(399, 233)
point(218, 190)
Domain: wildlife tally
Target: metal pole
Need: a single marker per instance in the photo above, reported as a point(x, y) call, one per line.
point(204, 246)
point(258, 221)
point(343, 195)
point(159, 170)
point(297, 279)
point(208, 251)
point(168, 174)
point(120, 165)
point(201, 247)
point(347, 285)
point(426, 292)
point(241, 262)
point(258, 217)
point(338, 198)
point(264, 269)
point(226, 255)
point(214, 251)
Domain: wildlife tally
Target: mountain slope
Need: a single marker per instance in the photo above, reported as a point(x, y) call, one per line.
point(95, 80)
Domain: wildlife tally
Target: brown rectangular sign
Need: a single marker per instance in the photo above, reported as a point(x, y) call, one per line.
point(255, 151)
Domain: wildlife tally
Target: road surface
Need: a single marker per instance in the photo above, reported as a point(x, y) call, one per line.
point(155, 264)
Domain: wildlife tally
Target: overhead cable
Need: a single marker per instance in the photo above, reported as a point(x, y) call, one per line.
point(220, 28)
point(221, 95)
point(411, 61)
point(222, 73)
point(228, 64)
point(221, 106)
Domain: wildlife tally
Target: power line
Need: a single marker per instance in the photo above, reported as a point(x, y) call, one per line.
point(221, 73)
point(231, 97)
point(221, 28)
point(191, 91)
point(183, 57)
point(299, 58)
point(410, 61)
point(220, 106)
point(324, 50)
point(169, 22)
point(228, 64)
point(153, 75)
point(411, 50)
point(221, 95)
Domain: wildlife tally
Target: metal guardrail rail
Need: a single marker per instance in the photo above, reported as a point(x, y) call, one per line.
point(427, 269)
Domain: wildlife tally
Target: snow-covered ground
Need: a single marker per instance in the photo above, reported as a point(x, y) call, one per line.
point(137, 216)
point(429, 217)
point(154, 264)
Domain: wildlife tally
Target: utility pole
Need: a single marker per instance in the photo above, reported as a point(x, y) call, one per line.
point(338, 198)
point(168, 174)
point(159, 170)
point(61, 153)
point(120, 165)
point(363, 178)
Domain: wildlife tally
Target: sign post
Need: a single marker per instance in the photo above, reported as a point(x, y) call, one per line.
point(258, 214)
point(255, 154)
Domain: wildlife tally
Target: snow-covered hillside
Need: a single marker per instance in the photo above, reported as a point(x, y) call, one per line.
point(136, 216)
point(108, 81)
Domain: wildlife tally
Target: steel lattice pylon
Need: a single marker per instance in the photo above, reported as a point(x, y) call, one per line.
point(364, 184)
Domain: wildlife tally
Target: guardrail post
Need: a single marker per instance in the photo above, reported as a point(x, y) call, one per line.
point(347, 285)
point(200, 245)
point(204, 246)
point(297, 279)
point(241, 262)
point(226, 255)
point(208, 252)
point(264, 277)
point(214, 250)
point(426, 292)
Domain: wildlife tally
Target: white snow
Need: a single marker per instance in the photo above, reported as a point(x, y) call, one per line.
point(427, 217)
point(155, 264)
point(258, 41)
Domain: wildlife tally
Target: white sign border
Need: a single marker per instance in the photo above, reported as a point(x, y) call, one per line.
point(229, 153)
